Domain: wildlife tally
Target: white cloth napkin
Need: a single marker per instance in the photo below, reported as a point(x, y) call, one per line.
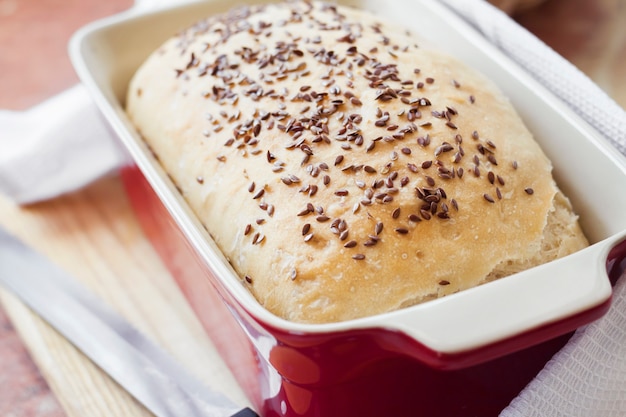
point(63, 144)
point(55, 147)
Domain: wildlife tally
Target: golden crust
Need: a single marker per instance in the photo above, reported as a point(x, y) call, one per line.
point(342, 168)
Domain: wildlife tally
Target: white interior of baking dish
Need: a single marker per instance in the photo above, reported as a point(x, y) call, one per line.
point(593, 175)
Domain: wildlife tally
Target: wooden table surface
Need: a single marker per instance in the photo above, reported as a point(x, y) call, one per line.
point(94, 235)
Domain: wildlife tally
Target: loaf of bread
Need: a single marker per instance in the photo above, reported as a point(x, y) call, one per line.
point(344, 168)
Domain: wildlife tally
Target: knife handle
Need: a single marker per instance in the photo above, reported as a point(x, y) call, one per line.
point(246, 412)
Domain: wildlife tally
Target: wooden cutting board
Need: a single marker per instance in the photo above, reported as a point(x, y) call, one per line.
point(94, 235)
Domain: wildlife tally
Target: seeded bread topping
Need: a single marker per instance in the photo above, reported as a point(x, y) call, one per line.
point(342, 167)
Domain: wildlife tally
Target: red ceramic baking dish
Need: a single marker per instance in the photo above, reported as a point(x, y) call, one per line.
point(467, 354)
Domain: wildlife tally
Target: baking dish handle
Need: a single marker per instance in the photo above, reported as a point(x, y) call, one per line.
point(503, 316)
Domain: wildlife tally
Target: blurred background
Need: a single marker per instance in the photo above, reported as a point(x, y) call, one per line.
point(34, 66)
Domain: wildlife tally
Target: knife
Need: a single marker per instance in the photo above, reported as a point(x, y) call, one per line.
point(148, 373)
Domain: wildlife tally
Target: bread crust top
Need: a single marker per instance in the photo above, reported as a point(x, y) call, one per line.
point(342, 166)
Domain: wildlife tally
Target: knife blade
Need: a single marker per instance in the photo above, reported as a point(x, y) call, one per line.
point(147, 372)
